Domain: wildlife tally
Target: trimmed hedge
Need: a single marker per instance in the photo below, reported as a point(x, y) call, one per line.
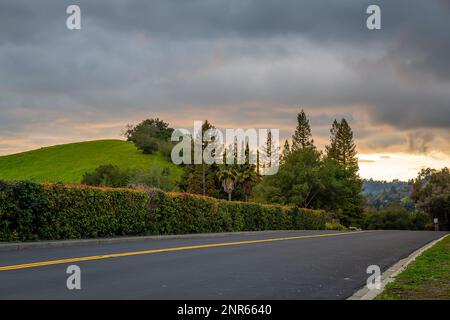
point(30, 211)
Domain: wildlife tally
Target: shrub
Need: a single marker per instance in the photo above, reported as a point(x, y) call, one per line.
point(21, 206)
point(154, 177)
point(148, 145)
point(421, 221)
point(178, 213)
point(396, 218)
point(82, 212)
point(107, 176)
point(165, 148)
point(334, 226)
point(29, 211)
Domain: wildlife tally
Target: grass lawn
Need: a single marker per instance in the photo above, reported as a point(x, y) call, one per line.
point(67, 163)
point(428, 277)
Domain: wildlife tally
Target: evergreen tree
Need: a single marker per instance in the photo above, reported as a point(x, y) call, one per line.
point(307, 179)
point(270, 152)
point(247, 176)
point(201, 178)
point(342, 151)
point(286, 150)
point(342, 147)
point(150, 135)
point(298, 181)
point(205, 126)
point(258, 165)
point(269, 148)
point(330, 150)
point(302, 137)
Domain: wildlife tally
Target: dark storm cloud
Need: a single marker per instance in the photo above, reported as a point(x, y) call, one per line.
point(196, 18)
point(132, 58)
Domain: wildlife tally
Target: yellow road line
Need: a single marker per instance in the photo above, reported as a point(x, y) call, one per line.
point(136, 253)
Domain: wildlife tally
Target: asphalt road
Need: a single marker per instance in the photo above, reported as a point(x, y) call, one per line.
point(299, 265)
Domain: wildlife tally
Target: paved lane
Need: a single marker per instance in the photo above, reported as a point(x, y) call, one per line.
point(266, 265)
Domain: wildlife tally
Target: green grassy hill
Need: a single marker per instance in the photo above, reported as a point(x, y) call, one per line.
point(67, 163)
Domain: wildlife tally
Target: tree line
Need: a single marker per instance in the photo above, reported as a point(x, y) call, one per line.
point(409, 205)
point(307, 177)
point(314, 179)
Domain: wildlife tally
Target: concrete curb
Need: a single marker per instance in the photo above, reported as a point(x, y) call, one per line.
point(389, 275)
point(13, 246)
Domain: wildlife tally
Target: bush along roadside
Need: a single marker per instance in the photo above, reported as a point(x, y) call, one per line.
point(31, 211)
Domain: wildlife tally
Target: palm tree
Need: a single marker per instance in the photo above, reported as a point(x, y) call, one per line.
point(247, 177)
point(227, 176)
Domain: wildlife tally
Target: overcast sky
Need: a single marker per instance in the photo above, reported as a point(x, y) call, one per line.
point(237, 63)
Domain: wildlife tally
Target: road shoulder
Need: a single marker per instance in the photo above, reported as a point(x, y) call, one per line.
point(391, 273)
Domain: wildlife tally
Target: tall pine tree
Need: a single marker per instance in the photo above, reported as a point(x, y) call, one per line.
point(342, 150)
point(270, 152)
point(302, 138)
point(331, 151)
point(342, 147)
point(247, 176)
point(201, 178)
point(286, 150)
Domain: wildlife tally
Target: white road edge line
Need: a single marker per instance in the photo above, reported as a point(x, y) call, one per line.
point(389, 275)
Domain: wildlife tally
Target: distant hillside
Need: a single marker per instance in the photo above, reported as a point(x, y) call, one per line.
point(377, 187)
point(67, 163)
point(381, 194)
